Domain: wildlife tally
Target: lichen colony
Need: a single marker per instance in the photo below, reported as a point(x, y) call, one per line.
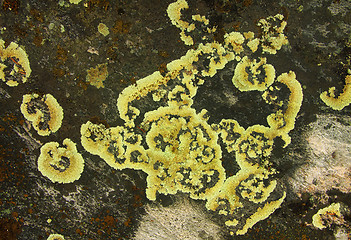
point(179, 149)
point(213, 120)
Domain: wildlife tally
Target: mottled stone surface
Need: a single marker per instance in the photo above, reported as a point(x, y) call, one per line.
point(62, 42)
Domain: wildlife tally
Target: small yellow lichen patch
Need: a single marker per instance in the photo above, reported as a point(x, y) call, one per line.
point(317, 219)
point(159, 94)
point(270, 96)
point(60, 164)
point(253, 44)
point(260, 214)
point(96, 76)
point(75, 1)
point(254, 190)
point(235, 40)
point(343, 100)
point(272, 38)
point(103, 29)
point(44, 112)
point(188, 40)
point(14, 64)
point(232, 222)
point(284, 121)
point(255, 143)
point(173, 153)
point(174, 14)
point(252, 75)
point(118, 147)
point(134, 92)
point(200, 18)
point(56, 237)
point(218, 57)
point(230, 131)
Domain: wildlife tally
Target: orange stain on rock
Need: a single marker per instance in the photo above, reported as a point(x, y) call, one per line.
point(14, 215)
point(109, 221)
point(9, 228)
point(78, 231)
point(11, 5)
point(121, 27)
point(128, 222)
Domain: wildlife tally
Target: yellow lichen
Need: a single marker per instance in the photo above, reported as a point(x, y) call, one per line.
point(14, 64)
point(317, 219)
point(253, 44)
point(96, 76)
point(103, 29)
point(60, 164)
point(75, 1)
point(175, 145)
point(174, 14)
point(341, 101)
point(115, 145)
point(170, 154)
point(260, 214)
point(273, 38)
point(56, 237)
point(200, 18)
point(218, 56)
point(252, 146)
point(43, 111)
point(254, 190)
point(173, 151)
point(134, 92)
point(230, 131)
point(234, 40)
point(284, 122)
point(252, 75)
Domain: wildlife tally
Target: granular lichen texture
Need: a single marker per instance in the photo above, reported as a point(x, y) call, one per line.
point(341, 101)
point(43, 111)
point(96, 76)
point(14, 64)
point(332, 210)
point(175, 119)
point(103, 29)
point(60, 164)
point(181, 151)
point(56, 237)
